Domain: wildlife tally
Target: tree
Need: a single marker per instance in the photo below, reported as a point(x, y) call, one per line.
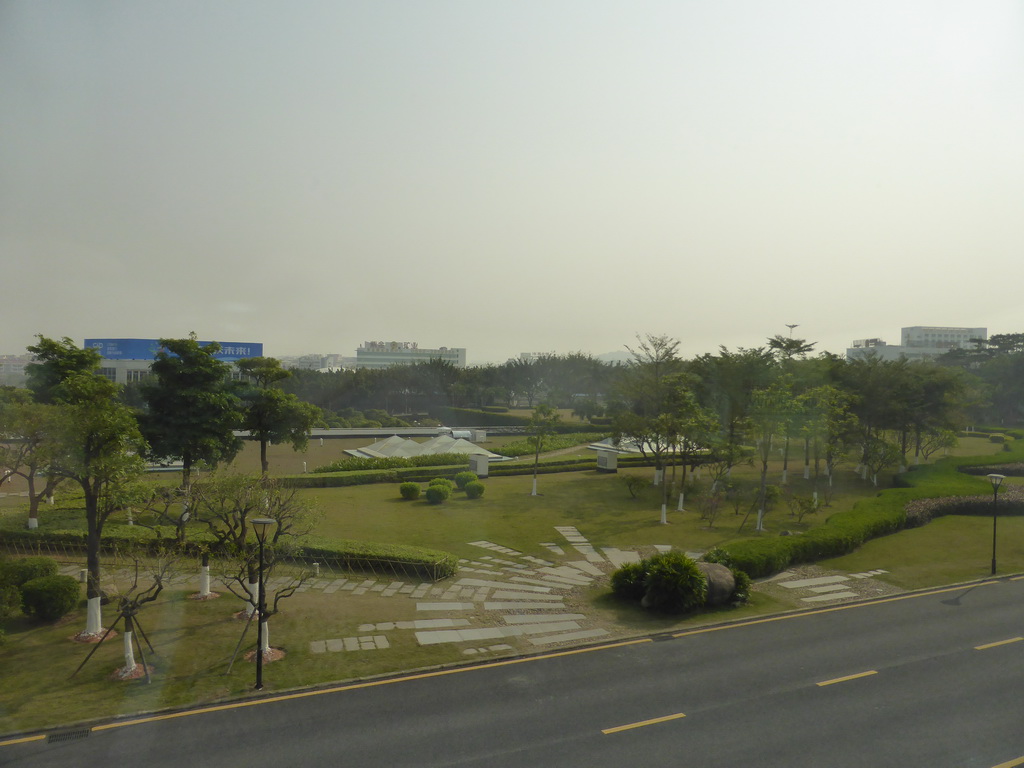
point(56, 362)
point(100, 449)
point(192, 407)
point(272, 415)
point(542, 424)
point(28, 447)
point(770, 415)
point(226, 507)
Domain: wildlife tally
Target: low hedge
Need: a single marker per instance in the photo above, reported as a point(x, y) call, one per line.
point(928, 486)
point(413, 561)
point(357, 464)
point(17, 571)
point(429, 564)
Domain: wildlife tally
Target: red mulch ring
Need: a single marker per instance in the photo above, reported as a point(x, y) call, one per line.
point(92, 637)
point(197, 596)
point(274, 654)
point(121, 673)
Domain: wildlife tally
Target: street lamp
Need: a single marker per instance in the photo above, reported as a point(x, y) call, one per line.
point(996, 480)
point(260, 525)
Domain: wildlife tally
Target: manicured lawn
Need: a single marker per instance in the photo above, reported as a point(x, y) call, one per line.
point(195, 640)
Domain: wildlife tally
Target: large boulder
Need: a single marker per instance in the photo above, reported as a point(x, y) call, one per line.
point(721, 583)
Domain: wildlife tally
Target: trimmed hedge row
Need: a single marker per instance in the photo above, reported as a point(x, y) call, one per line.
point(359, 555)
point(357, 464)
point(422, 563)
point(884, 514)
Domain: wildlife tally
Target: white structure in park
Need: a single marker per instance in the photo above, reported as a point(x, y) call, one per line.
point(919, 342)
point(384, 354)
point(405, 448)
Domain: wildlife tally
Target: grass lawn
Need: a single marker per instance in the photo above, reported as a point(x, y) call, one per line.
point(195, 640)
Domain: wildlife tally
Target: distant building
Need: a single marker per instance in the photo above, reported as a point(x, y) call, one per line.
point(12, 370)
point(128, 360)
point(532, 357)
point(919, 342)
point(384, 354)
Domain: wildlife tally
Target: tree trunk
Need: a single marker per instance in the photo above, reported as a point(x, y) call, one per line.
point(93, 624)
point(129, 652)
point(263, 457)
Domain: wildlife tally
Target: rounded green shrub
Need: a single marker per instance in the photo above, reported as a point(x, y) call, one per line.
point(50, 597)
point(442, 481)
point(742, 592)
point(437, 493)
point(464, 478)
point(627, 581)
point(409, 491)
point(718, 555)
point(474, 489)
point(674, 583)
point(20, 570)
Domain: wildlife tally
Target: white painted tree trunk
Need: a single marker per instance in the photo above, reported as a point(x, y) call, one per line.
point(129, 653)
point(534, 492)
point(659, 475)
point(253, 588)
point(785, 476)
point(93, 621)
point(33, 523)
point(807, 471)
point(760, 519)
point(204, 581)
point(664, 514)
point(680, 507)
point(815, 495)
point(266, 638)
point(874, 480)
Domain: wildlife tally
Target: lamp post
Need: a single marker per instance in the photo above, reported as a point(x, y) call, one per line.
point(260, 525)
point(996, 480)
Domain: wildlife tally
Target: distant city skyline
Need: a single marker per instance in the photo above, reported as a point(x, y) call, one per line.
point(508, 177)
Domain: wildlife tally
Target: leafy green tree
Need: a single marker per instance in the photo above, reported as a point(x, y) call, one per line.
point(28, 448)
point(771, 412)
point(272, 415)
point(57, 361)
point(192, 406)
point(100, 449)
point(542, 425)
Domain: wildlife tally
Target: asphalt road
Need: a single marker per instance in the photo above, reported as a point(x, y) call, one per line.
point(932, 680)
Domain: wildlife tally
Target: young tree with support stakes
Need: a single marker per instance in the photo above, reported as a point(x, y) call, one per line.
point(192, 406)
point(769, 416)
point(270, 414)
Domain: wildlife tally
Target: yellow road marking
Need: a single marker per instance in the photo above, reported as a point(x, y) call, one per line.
point(834, 608)
point(357, 686)
point(1001, 642)
point(848, 677)
point(642, 723)
point(1014, 578)
point(21, 741)
point(1011, 763)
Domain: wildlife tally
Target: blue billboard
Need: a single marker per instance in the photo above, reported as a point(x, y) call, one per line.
point(146, 349)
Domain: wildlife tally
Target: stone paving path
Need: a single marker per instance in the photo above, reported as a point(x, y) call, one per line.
point(505, 595)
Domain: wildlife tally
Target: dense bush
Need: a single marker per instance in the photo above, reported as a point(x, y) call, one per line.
point(474, 490)
point(674, 583)
point(10, 601)
point(627, 581)
point(17, 571)
point(50, 597)
point(669, 582)
point(743, 582)
point(997, 438)
point(409, 491)
point(444, 482)
point(463, 478)
point(437, 493)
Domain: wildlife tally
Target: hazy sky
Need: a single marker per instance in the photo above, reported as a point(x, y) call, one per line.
point(509, 176)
